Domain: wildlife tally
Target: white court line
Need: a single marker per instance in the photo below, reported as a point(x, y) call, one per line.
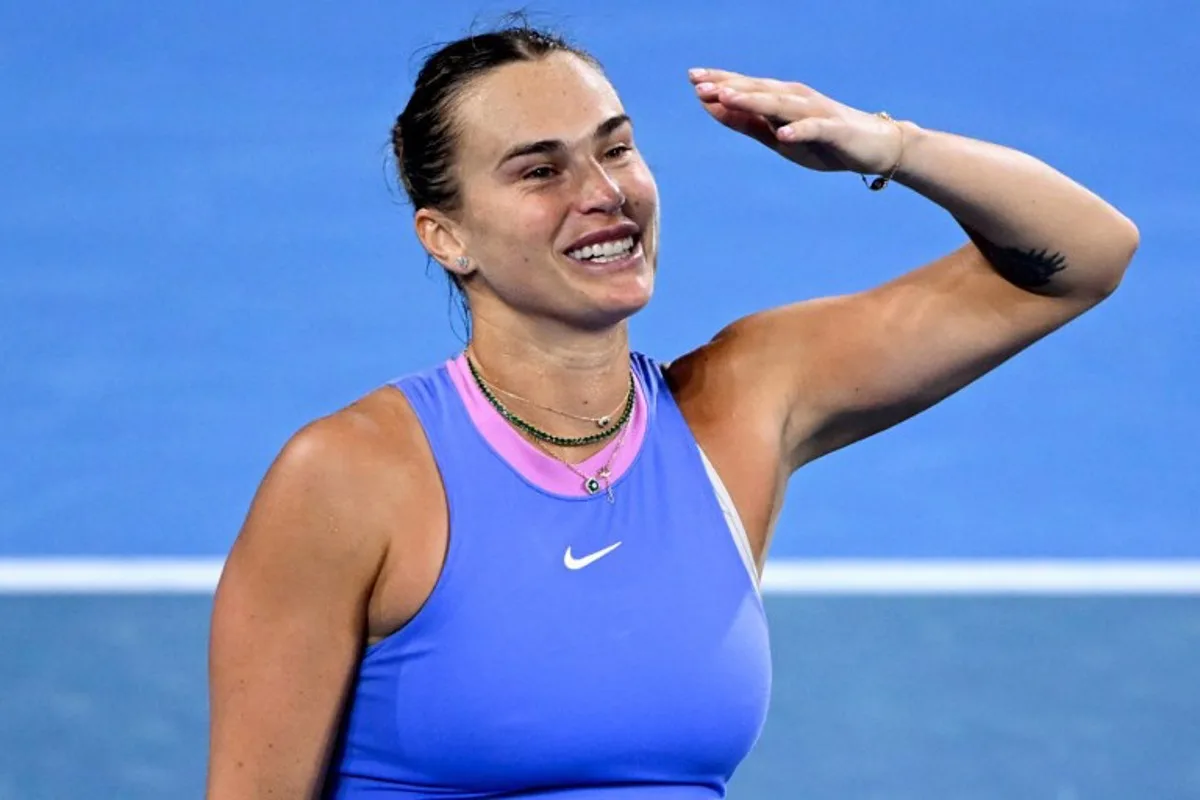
point(981, 577)
point(105, 575)
point(782, 576)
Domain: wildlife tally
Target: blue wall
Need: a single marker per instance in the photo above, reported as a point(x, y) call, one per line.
point(199, 252)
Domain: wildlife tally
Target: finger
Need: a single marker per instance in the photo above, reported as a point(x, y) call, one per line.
point(708, 90)
point(752, 125)
point(701, 74)
point(746, 82)
point(778, 108)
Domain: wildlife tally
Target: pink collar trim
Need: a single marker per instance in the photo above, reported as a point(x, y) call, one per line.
point(537, 467)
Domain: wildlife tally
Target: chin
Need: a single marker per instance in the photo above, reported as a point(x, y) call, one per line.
point(631, 290)
point(612, 293)
point(620, 303)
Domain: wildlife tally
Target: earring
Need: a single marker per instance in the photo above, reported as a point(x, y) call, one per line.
point(462, 262)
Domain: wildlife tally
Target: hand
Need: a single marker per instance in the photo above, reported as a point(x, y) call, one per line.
point(799, 123)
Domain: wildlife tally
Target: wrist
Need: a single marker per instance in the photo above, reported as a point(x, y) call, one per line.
point(914, 138)
point(902, 132)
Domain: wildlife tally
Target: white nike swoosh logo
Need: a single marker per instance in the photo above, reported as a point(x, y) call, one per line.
point(579, 563)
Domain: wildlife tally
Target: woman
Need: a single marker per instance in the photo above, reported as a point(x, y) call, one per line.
point(533, 568)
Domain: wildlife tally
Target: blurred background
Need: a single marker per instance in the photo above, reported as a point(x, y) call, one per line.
point(203, 247)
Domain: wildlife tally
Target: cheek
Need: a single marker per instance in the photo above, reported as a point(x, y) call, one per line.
point(516, 227)
point(640, 189)
point(532, 220)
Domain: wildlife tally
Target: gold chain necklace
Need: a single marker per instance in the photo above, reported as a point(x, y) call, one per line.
point(538, 433)
point(600, 422)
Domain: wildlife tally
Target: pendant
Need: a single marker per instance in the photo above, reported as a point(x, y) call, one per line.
point(592, 485)
point(603, 422)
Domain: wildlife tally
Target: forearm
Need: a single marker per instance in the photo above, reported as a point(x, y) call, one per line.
point(1039, 229)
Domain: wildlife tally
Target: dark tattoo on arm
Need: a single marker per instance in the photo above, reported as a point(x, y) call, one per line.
point(1028, 269)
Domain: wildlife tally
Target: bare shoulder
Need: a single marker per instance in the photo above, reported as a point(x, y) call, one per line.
point(342, 468)
point(326, 513)
point(294, 604)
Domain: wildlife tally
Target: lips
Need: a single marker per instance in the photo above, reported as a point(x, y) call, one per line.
point(613, 233)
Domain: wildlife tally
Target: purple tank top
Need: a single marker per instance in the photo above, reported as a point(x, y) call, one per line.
point(572, 647)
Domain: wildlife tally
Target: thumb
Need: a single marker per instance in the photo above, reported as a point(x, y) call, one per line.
point(812, 130)
point(810, 142)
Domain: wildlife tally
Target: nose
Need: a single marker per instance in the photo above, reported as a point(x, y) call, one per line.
point(600, 193)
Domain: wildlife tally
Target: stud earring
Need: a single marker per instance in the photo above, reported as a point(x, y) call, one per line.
point(462, 262)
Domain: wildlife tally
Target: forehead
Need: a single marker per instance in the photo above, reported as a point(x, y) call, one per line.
point(556, 97)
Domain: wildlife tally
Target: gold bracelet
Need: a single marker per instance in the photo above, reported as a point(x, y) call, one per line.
point(883, 180)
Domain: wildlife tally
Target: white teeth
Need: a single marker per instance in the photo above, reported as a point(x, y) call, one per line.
point(605, 251)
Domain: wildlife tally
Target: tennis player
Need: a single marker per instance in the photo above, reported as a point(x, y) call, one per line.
point(532, 570)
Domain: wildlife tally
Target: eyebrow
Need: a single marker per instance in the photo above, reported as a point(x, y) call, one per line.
point(556, 145)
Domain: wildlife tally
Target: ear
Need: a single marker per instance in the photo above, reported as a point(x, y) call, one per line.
point(440, 237)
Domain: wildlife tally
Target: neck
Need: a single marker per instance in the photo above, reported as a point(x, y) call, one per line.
point(577, 372)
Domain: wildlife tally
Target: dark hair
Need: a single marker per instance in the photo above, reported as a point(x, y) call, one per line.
point(424, 135)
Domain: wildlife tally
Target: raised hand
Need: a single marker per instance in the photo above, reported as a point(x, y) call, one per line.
point(800, 123)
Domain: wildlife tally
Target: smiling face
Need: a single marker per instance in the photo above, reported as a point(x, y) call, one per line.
point(559, 212)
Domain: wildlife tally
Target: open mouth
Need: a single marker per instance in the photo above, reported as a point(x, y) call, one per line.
point(613, 251)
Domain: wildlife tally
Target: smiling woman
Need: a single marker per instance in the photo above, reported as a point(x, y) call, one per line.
point(522, 168)
point(533, 569)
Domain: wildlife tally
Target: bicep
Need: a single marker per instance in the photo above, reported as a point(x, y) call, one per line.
point(849, 367)
point(287, 625)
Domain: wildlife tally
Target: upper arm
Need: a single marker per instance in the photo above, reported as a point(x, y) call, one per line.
point(288, 621)
point(840, 369)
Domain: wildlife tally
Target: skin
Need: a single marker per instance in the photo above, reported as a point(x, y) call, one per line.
point(342, 543)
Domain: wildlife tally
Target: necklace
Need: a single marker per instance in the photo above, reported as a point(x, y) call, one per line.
point(591, 483)
point(550, 438)
point(599, 422)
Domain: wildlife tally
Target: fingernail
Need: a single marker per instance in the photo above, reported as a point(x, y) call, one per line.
point(697, 72)
point(705, 87)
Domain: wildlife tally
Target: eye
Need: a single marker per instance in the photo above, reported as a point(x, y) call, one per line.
point(540, 173)
point(617, 151)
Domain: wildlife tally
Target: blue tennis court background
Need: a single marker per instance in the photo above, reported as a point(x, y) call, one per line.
point(201, 249)
point(201, 253)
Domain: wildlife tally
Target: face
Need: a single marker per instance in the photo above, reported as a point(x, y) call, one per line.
point(560, 212)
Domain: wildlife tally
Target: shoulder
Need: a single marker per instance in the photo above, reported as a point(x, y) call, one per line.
point(730, 375)
point(294, 604)
point(338, 484)
point(345, 449)
point(758, 383)
point(775, 360)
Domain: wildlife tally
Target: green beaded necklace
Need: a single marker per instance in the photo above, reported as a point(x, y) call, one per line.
point(550, 438)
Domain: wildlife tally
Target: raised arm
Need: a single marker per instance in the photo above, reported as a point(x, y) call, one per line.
point(289, 619)
point(1042, 249)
